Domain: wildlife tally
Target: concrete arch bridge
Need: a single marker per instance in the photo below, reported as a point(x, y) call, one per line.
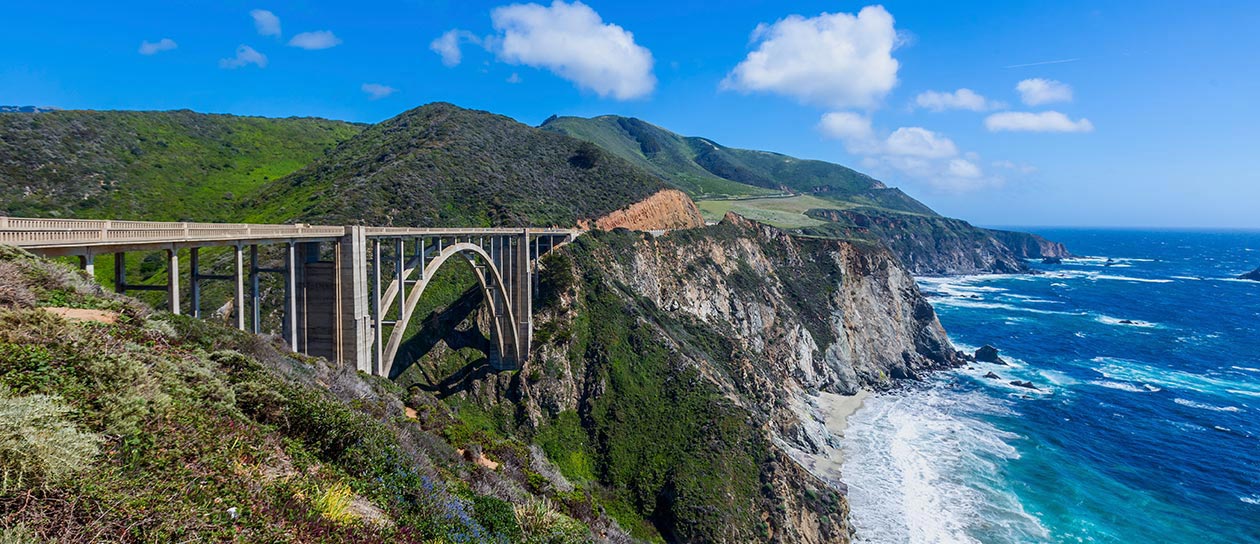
point(340, 283)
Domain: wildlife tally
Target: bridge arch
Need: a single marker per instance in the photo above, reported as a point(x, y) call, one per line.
point(503, 331)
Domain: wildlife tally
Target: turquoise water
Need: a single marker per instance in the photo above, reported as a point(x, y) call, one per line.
point(1146, 424)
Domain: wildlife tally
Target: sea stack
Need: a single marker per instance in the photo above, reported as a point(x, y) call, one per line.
point(1254, 275)
point(989, 354)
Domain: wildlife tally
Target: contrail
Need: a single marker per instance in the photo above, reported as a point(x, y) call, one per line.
point(1060, 61)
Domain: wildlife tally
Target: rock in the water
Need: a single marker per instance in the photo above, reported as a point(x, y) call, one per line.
point(1052, 260)
point(992, 376)
point(989, 354)
point(1254, 275)
point(1025, 385)
point(1127, 322)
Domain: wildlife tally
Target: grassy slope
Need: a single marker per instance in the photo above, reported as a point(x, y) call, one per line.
point(706, 169)
point(172, 165)
point(444, 165)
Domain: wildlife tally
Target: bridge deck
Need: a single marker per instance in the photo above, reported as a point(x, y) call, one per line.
point(78, 236)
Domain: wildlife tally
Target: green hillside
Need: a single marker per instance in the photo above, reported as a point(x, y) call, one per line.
point(169, 165)
point(442, 165)
point(706, 169)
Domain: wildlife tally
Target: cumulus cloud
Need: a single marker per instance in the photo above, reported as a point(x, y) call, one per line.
point(915, 152)
point(245, 55)
point(448, 45)
point(962, 99)
point(572, 41)
point(919, 142)
point(376, 91)
point(837, 60)
point(153, 48)
point(1046, 121)
point(266, 22)
point(847, 126)
point(319, 39)
point(1037, 91)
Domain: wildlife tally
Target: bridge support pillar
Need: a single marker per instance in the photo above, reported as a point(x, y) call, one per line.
point(354, 320)
point(239, 274)
point(172, 285)
point(87, 262)
point(120, 272)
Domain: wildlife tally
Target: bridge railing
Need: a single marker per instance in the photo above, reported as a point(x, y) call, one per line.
point(33, 232)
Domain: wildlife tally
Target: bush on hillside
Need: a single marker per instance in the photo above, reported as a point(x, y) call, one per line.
point(38, 443)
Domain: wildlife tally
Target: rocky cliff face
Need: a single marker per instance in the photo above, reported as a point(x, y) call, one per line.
point(665, 210)
point(927, 245)
point(1029, 246)
point(682, 367)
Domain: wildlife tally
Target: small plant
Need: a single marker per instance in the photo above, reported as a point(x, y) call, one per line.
point(541, 523)
point(18, 534)
point(38, 445)
point(333, 504)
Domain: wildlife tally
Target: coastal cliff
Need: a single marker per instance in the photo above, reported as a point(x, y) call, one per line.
point(935, 245)
point(678, 373)
point(1030, 246)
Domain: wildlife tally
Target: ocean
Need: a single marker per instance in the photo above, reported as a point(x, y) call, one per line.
point(1145, 425)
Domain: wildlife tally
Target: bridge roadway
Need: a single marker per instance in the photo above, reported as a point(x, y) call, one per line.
point(349, 291)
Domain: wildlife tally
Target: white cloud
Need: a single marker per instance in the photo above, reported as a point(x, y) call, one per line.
point(266, 22)
point(846, 126)
point(376, 91)
point(836, 60)
point(919, 142)
point(964, 168)
point(245, 55)
point(319, 39)
point(153, 48)
point(914, 152)
point(1037, 91)
point(514, 78)
point(1046, 121)
point(447, 45)
point(572, 41)
point(962, 99)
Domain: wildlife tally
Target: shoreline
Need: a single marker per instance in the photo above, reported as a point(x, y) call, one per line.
point(834, 411)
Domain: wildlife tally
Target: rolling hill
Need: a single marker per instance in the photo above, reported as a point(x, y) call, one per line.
point(444, 165)
point(155, 165)
point(706, 169)
point(812, 197)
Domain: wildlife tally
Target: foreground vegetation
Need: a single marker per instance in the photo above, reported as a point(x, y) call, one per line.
point(121, 424)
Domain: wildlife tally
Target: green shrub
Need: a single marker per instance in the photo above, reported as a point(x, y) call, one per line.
point(497, 516)
point(26, 368)
point(38, 444)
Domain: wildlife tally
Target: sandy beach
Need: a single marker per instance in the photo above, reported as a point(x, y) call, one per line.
point(834, 410)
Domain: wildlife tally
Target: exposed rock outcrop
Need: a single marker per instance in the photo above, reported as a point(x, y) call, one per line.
point(1026, 245)
point(765, 318)
point(931, 244)
point(1254, 275)
point(667, 209)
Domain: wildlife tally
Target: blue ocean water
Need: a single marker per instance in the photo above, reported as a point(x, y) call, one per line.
point(1145, 426)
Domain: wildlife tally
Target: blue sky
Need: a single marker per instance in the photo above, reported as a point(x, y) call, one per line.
point(1152, 118)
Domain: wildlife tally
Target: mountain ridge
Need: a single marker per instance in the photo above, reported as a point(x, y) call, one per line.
point(850, 203)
